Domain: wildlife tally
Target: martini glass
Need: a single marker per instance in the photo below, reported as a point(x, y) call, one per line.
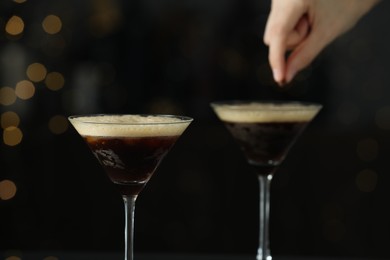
point(265, 131)
point(130, 148)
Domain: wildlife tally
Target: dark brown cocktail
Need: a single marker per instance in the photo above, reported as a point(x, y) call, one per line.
point(265, 144)
point(265, 131)
point(130, 148)
point(130, 161)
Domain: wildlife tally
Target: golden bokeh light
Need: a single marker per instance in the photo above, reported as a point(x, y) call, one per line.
point(7, 96)
point(7, 192)
point(13, 257)
point(58, 124)
point(36, 72)
point(54, 81)
point(8, 119)
point(366, 180)
point(14, 26)
point(52, 24)
point(50, 257)
point(12, 136)
point(25, 89)
point(105, 17)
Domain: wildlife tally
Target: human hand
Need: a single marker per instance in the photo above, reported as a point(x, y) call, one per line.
point(305, 28)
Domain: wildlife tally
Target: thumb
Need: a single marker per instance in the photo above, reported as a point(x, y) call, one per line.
point(304, 54)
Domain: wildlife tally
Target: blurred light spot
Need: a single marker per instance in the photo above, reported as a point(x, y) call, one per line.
point(15, 25)
point(7, 96)
point(106, 17)
point(13, 257)
point(366, 180)
point(163, 105)
point(7, 191)
point(348, 113)
point(334, 230)
point(25, 89)
point(58, 124)
point(50, 258)
point(8, 119)
point(20, 1)
point(54, 81)
point(52, 24)
point(12, 136)
point(367, 149)
point(36, 72)
point(382, 118)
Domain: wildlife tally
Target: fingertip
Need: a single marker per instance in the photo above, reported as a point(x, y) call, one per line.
point(278, 75)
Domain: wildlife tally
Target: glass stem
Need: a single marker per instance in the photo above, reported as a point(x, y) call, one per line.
point(264, 252)
point(129, 202)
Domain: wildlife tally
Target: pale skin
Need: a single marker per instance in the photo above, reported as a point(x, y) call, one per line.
point(304, 28)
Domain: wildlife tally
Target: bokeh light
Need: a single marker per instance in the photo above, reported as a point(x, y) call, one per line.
point(54, 81)
point(58, 124)
point(14, 26)
point(105, 18)
point(13, 257)
point(7, 190)
point(366, 180)
point(52, 24)
point(7, 96)
point(36, 72)
point(25, 89)
point(50, 258)
point(12, 136)
point(8, 119)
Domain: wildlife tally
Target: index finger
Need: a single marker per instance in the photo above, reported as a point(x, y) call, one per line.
point(284, 17)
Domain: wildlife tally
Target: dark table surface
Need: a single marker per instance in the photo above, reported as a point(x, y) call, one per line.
point(119, 256)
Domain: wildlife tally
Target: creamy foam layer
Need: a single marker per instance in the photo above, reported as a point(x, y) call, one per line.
point(266, 112)
point(129, 125)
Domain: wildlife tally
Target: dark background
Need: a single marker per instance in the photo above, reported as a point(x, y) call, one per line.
point(330, 197)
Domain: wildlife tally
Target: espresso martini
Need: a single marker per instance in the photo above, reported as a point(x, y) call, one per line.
point(265, 131)
point(129, 147)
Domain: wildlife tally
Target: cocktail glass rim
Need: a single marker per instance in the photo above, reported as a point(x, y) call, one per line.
point(301, 104)
point(179, 119)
